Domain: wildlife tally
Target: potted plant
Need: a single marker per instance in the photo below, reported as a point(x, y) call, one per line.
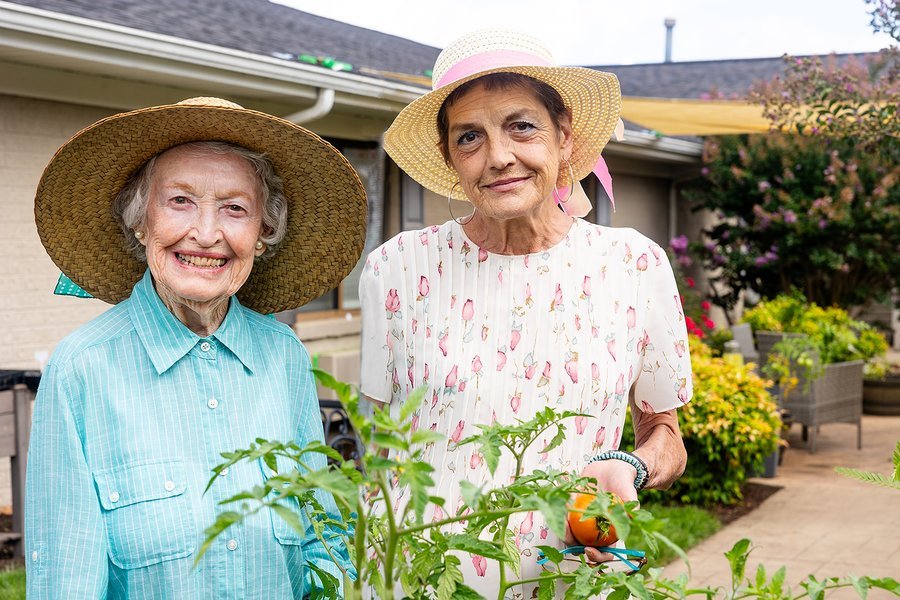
point(881, 387)
point(816, 357)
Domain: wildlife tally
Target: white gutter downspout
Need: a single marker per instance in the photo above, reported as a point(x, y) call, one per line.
point(323, 105)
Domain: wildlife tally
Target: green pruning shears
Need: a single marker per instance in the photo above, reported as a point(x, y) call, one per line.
point(622, 554)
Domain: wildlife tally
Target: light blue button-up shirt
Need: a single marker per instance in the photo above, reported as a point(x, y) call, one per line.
point(132, 414)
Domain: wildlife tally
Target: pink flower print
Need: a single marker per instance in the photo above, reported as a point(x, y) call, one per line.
point(605, 401)
point(440, 268)
point(409, 375)
point(577, 322)
point(475, 461)
point(528, 299)
point(546, 372)
point(424, 288)
point(423, 238)
point(527, 524)
point(500, 275)
point(643, 343)
point(384, 254)
point(515, 402)
point(484, 332)
point(628, 256)
point(526, 260)
point(392, 303)
point(465, 247)
point(562, 390)
point(395, 377)
point(375, 268)
point(529, 371)
point(452, 301)
point(457, 433)
point(493, 417)
point(450, 380)
point(630, 317)
point(641, 263)
point(586, 286)
point(462, 385)
point(620, 384)
point(501, 360)
point(427, 332)
point(655, 250)
point(682, 392)
point(600, 438)
point(618, 437)
point(434, 399)
point(572, 369)
point(611, 346)
point(557, 298)
point(595, 332)
point(468, 310)
point(679, 348)
point(646, 408)
point(480, 564)
point(400, 244)
point(514, 338)
point(415, 325)
point(580, 424)
point(544, 531)
point(476, 364)
point(425, 376)
point(438, 514)
point(414, 424)
point(482, 255)
point(442, 342)
point(434, 229)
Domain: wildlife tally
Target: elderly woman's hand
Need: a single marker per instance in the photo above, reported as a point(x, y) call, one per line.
point(614, 476)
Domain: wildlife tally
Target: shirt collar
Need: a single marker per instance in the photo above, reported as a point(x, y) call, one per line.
point(166, 339)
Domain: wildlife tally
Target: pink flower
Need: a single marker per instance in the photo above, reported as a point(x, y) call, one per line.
point(425, 377)
point(683, 394)
point(544, 531)
point(415, 325)
point(586, 286)
point(655, 250)
point(546, 372)
point(630, 317)
point(501, 360)
point(482, 255)
point(457, 433)
point(679, 348)
point(392, 303)
point(643, 342)
point(475, 461)
point(600, 438)
point(595, 372)
point(557, 298)
point(620, 384)
point(572, 370)
point(476, 364)
point(577, 322)
point(529, 371)
point(468, 310)
point(434, 400)
point(690, 282)
point(515, 402)
point(514, 339)
point(438, 514)
point(641, 263)
point(414, 425)
point(424, 288)
point(705, 306)
point(409, 374)
point(480, 564)
point(595, 332)
point(605, 401)
point(527, 525)
point(442, 342)
point(423, 238)
point(484, 332)
point(450, 380)
point(580, 424)
point(462, 385)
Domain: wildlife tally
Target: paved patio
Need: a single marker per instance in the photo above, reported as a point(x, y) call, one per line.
point(821, 523)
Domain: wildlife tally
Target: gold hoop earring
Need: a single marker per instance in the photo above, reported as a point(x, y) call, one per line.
point(571, 185)
point(450, 210)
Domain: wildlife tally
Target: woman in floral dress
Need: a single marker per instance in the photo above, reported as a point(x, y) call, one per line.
point(523, 305)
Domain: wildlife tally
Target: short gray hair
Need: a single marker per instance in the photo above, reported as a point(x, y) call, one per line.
point(130, 204)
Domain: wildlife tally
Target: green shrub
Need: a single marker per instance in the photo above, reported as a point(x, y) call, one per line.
point(729, 428)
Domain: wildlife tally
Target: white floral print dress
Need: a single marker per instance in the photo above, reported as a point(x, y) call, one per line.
point(498, 337)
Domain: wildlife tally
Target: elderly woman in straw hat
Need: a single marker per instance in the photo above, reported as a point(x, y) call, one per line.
point(522, 304)
point(192, 219)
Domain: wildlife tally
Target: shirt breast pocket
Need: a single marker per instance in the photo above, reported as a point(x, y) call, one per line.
point(284, 533)
point(147, 514)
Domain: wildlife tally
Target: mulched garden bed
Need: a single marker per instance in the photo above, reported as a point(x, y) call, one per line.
point(754, 495)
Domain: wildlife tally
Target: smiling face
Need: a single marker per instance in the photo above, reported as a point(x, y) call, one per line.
point(507, 150)
point(204, 217)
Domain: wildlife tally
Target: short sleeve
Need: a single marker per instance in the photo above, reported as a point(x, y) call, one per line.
point(380, 310)
point(664, 381)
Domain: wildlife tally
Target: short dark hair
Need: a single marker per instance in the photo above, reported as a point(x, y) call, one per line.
point(548, 96)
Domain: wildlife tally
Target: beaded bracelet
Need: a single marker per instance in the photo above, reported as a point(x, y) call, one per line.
point(643, 474)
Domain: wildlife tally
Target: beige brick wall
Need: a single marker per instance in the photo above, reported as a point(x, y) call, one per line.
point(32, 319)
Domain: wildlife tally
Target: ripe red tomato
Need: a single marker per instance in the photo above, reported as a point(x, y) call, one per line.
point(591, 531)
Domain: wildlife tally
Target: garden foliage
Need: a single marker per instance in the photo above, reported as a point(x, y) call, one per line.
point(730, 426)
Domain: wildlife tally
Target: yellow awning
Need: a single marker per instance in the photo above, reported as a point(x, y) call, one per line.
point(683, 116)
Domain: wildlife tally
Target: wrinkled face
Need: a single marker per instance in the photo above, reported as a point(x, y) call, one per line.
point(204, 217)
point(506, 149)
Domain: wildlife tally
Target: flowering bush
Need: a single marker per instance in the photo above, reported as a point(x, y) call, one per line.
point(729, 428)
point(794, 212)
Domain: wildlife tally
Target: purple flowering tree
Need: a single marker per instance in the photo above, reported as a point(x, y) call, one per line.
point(797, 212)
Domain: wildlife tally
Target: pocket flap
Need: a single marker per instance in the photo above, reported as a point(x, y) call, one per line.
point(139, 482)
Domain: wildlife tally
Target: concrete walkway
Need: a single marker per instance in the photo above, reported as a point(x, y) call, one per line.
point(821, 523)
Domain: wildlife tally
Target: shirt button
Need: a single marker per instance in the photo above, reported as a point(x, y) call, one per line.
point(34, 556)
point(114, 497)
point(170, 485)
point(205, 346)
point(231, 545)
point(212, 403)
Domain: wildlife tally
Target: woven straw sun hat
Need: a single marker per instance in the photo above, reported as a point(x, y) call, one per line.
point(326, 223)
point(592, 96)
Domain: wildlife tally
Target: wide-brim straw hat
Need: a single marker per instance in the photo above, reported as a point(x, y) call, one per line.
point(593, 97)
point(326, 224)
